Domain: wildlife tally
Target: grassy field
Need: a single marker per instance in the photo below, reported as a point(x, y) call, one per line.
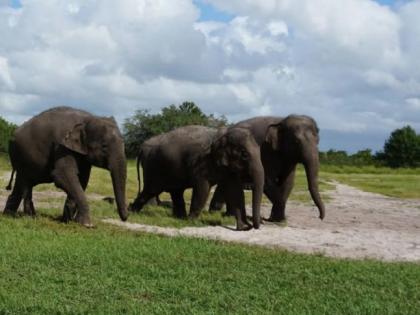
point(400, 183)
point(47, 267)
point(50, 268)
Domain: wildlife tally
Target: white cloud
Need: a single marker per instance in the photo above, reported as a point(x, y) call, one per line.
point(413, 103)
point(6, 81)
point(352, 64)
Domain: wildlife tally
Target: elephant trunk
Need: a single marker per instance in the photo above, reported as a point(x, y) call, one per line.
point(311, 163)
point(257, 175)
point(118, 171)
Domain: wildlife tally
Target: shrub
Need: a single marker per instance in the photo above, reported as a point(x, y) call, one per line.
point(6, 132)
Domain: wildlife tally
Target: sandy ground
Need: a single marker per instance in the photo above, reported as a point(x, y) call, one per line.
point(357, 225)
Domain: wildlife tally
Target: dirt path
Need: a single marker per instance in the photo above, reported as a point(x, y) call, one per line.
point(357, 225)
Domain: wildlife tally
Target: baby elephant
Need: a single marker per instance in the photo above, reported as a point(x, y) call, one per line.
point(198, 157)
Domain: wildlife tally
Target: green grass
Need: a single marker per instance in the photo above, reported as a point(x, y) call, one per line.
point(368, 170)
point(50, 268)
point(47, 267)
point(4, 163)
point(400, 183)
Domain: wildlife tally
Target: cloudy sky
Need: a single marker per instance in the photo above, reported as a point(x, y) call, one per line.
point(354, 65)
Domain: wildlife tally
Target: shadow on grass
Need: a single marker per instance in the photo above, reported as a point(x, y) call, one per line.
point(162, 216)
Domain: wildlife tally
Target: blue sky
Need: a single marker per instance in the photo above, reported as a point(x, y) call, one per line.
point(211, 13)
point(352, 67)
point(15, 3)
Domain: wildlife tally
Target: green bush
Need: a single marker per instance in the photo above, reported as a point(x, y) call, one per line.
point(6, 132)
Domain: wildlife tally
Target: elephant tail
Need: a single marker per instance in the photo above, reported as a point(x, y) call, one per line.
point(138, 170)
point(9, 186)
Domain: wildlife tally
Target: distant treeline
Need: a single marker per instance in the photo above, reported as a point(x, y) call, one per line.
point(401, 149)
point(339, 157)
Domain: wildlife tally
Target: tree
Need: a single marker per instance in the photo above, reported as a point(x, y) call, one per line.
point(402, 149)
point(334, 157)
point(144, 125)
point(6, 132)
point(362, 157)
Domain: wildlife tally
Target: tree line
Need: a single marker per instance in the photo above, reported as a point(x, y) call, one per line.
point(401, 149)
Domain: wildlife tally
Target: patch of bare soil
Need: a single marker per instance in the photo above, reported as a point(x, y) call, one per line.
point(357, 225)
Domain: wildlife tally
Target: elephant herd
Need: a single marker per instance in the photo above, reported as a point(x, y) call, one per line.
point(60, 145)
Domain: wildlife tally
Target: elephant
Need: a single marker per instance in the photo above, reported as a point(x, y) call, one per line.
point(198, 157)
point(284, 142)
point(61, 145)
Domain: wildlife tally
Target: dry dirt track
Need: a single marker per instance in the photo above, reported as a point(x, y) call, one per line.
point(357, 225)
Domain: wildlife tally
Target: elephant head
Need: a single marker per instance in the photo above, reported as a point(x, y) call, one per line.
point(236, 150)
point(296, 140)
point(100, 141)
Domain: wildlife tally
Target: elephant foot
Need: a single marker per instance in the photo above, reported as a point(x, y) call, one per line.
point(261, 219)
point(132, 207)
point(9, 212)
point(30, 214)
point(277, 221)
point(243, 226)
point(194, 215)
point(29, 210)
point(215, 207)
point(84, 220)
point(180, 214)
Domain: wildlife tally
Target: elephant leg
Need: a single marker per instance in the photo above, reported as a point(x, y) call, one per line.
point(279, 194)
point(158, 201)
point(218, 200)
point(199, 197)
point(141, 199)
point(235, 201)
point(14, 199)
point(154, 201)
point(178, 203)
point(69, 210)
point(28, 205)
point(70, 207)
point(65, 177)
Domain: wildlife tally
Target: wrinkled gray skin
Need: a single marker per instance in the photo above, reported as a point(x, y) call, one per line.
point(60, 145)
point(197, 157)
point(284, 143)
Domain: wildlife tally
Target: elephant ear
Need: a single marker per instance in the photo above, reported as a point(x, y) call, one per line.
point(218, 150)
point(75, 139)
point(272, 136)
